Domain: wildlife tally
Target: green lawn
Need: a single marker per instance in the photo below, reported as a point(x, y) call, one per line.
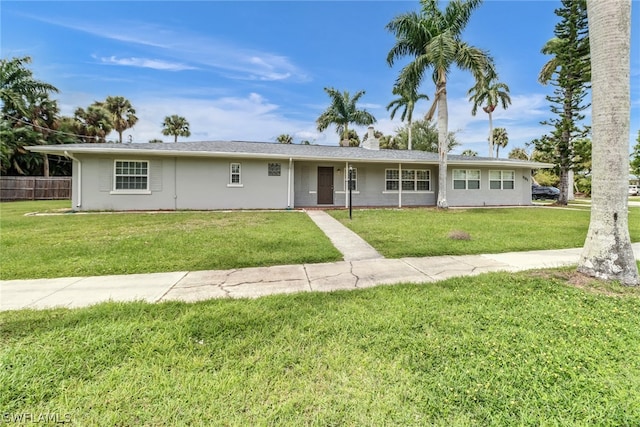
point(497, 349)
point(124, 243)
point(425, 232)
point(100, 244)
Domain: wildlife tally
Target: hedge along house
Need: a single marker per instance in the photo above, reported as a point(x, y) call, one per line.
point(254, 175)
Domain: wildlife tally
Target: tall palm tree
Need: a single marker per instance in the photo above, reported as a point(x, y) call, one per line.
point(489, 93)
point(500, 139)
point(285, 138)
point(342, 112)
point(433, 38)
point(177, 126)
point(123, 114)
point(408, 97)
point(607, 251)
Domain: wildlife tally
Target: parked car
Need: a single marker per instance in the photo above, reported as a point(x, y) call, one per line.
point(543, 192)
point(633, 190)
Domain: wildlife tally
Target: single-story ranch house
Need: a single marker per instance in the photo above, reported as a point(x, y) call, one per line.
point(254, 175)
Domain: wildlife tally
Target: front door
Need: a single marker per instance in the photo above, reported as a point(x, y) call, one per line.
point(325, 185)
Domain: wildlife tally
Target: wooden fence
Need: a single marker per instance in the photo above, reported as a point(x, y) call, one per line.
point(35, 188)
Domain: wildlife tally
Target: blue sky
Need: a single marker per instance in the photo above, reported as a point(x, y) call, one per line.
point(251, 70)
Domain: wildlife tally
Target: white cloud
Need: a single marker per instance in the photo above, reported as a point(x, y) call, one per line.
point(250, 118)
point(231, 60)
point(156, 64)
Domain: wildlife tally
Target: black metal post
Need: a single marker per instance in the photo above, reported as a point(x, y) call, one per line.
point(350, 188)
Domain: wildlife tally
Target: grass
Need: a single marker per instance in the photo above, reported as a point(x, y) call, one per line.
point(496, 349)
point(101, 244)
point(125, 243)
point(425, 232)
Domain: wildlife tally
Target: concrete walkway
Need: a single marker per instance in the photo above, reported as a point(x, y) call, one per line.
point(363, 267)
point(352, 246)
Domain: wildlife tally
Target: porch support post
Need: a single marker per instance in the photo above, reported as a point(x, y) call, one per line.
point(289, 175)
point(399, 185)
point(344, 184)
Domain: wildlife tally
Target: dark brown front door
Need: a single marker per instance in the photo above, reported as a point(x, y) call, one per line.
point(325, 185)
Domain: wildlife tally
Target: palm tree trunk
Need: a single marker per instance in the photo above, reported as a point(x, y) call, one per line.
point(345, 136)
point(443, 128)
point(45, 165)
point(175, 139)
point(409, 135)
point(607, 252)
point(491, 135)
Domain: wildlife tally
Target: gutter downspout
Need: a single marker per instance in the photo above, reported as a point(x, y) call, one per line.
point(289, 183)
point(175, 183)
point(66, 153)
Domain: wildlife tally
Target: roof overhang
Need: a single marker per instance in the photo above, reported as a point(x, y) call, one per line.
point(68, 150)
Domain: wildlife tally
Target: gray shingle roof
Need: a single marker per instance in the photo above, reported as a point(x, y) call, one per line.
point(273, 150)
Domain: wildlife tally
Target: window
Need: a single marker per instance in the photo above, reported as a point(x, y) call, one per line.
point(391, 180)
point(502, 180)
point(131, 175)
point(412, 180)
point(274, 169)
point(466, 179)
point(354, 179)
point(234, 175)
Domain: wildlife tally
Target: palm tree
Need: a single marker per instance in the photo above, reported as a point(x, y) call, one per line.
point(500, 139)
point(490, 93)
point(94, 123)
point(43, 117)
point(408, 97)
point(433, 38)
point(425, 137)
point(177, 126)
point(607, 251)
point(352, 139)
point(519, 154)
point(124, 115)
point(343, 111)
point(469, 153)
point(285, 138)
point(17, 85)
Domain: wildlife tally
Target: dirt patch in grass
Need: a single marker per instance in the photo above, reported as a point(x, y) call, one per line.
point(587, 283)
point(459, 235)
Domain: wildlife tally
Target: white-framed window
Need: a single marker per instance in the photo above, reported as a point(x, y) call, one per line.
point(354, 179)
point(392, 180)
point(131, 175)
point(466, 179)
point(412, 180)
point(502, 180)
point(235, 175)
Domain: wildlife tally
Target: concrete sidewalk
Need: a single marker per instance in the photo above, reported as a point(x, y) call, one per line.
point(362, 267)
point(257, 282)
